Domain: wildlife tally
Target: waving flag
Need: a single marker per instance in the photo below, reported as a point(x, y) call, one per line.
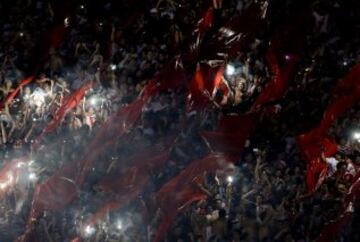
point(10, 97)
point(69, 104)
point(205, 81)
point(184, 189)
point(229, 139)
point(279, 81)
point(331, 230)
point(345, 95)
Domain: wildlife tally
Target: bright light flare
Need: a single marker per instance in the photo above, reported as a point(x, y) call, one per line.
point(227, 32)
point(230, 70)
point(93, 101)
point(230, 179)
point(356, 136)
point(89, 230)
point(119, 225)
point(113, 67)
point(20, 164)
point(32, 177)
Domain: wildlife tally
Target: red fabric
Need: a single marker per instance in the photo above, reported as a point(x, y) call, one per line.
point(334, 228)
point(206, 22)
point(62, 187)
point(279, 81)
point(10, 97)
point(182, 190)
point(145, 161)
point(312, 145)
point(57, 191)
point(202, 27)
point(311, 148)
point(116, 126)
point(242, 28)
point(173, 76)
point(189, 196)
point(234, 130)
point(129, 184)
point(218, 81)
point(70, 103)
point(231, 135)
point(151, 89)
point(227, 140)
point(345, 94)
point(316, 173)
point(206, 79)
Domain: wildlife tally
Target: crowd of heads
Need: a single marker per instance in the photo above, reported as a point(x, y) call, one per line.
point(261, 201)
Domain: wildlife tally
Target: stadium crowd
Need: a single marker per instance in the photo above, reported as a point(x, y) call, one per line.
point(118, 53)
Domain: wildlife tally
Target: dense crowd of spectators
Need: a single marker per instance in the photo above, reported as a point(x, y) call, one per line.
point(260, 202)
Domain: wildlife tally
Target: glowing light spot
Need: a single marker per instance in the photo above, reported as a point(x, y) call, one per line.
point(113, 67)
point(32, 177)
point(89, 230)
point(119, 225)
point(230, 70)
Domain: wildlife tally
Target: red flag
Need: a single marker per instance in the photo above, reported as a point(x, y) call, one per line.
point(206, 79)
point(231, 135)
point(172, 76)
point(128, 185)
point(10, 97)
point(278, 84)
point(344, 95)
point(227, 140)
point(312, 143)
point(333, 228)
point(234, 35)
point(183, 189)
point(207, 21)
point(61, 188)
point(70, 103)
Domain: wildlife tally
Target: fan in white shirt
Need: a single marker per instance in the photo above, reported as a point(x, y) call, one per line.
point(333, 163)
